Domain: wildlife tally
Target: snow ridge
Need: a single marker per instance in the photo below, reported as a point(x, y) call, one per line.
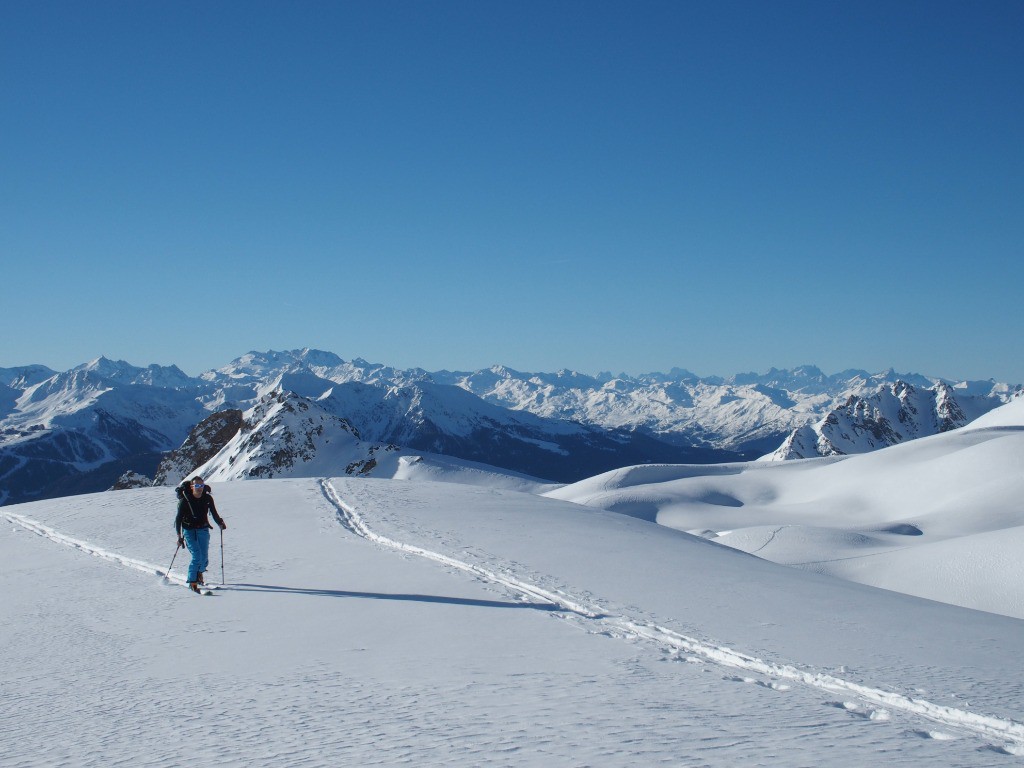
point(1008, 731)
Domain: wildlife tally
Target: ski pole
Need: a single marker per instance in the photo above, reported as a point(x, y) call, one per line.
point(222, 557)
point(167, 575)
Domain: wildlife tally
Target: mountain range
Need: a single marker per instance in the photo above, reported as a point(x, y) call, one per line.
point(278, 414)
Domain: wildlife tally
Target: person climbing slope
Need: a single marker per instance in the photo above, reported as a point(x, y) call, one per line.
point(192, 525)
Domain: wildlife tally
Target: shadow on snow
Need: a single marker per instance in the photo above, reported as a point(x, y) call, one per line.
point(552, 607)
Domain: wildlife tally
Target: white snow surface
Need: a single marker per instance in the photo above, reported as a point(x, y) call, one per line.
point(387, 622)
point(941, 517)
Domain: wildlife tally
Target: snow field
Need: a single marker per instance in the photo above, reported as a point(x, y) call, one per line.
point(380, 622)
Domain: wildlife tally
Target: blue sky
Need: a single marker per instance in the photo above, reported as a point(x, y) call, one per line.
point(630, 186)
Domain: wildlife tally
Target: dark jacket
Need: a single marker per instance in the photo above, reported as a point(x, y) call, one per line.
point(192, 512)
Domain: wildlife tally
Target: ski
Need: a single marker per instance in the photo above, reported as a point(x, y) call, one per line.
point(205, 590)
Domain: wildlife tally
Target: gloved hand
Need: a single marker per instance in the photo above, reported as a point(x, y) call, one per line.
point(223, 525)
point(181, 541)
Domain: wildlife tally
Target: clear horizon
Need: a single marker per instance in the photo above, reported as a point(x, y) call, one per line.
point(720, 187)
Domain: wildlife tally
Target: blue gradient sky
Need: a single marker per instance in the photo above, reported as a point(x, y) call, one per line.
point(720, 186)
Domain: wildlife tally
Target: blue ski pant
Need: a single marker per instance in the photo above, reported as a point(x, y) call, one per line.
point(198, 543)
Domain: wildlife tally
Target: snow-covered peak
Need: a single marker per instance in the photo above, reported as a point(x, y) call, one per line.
point(62, 394)
point(110, 369)
point(317, 358)
point(894, 413)
point(675, 374)
point(257, 368)
point(25, 376)
point(170, 376)
point(303, 383)
point(288, 435)
point(480, 381)
point(253, 365)
point(571, 379)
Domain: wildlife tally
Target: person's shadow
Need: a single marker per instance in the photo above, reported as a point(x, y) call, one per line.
point(550, 607)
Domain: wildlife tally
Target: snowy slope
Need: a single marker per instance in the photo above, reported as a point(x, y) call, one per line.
point(940, 517)
point(370, 622)
point(1008, 416)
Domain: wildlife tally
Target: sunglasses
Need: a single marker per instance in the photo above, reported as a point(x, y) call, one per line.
point(198, 485)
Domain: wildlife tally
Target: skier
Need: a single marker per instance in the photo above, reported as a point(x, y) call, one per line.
point(193, 526)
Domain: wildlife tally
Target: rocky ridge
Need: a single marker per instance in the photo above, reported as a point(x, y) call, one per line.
point(895, 413)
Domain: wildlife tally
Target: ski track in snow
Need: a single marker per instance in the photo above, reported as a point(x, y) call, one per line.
point(1009, 732)
point(84, 546)
point(770, 539)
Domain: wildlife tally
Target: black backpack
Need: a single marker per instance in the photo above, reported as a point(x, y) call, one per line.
point(189, 518)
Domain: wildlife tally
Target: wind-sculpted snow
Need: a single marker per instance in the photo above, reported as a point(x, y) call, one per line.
point(938, 517)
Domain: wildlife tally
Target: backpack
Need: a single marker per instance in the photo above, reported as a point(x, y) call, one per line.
point(189, 517)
